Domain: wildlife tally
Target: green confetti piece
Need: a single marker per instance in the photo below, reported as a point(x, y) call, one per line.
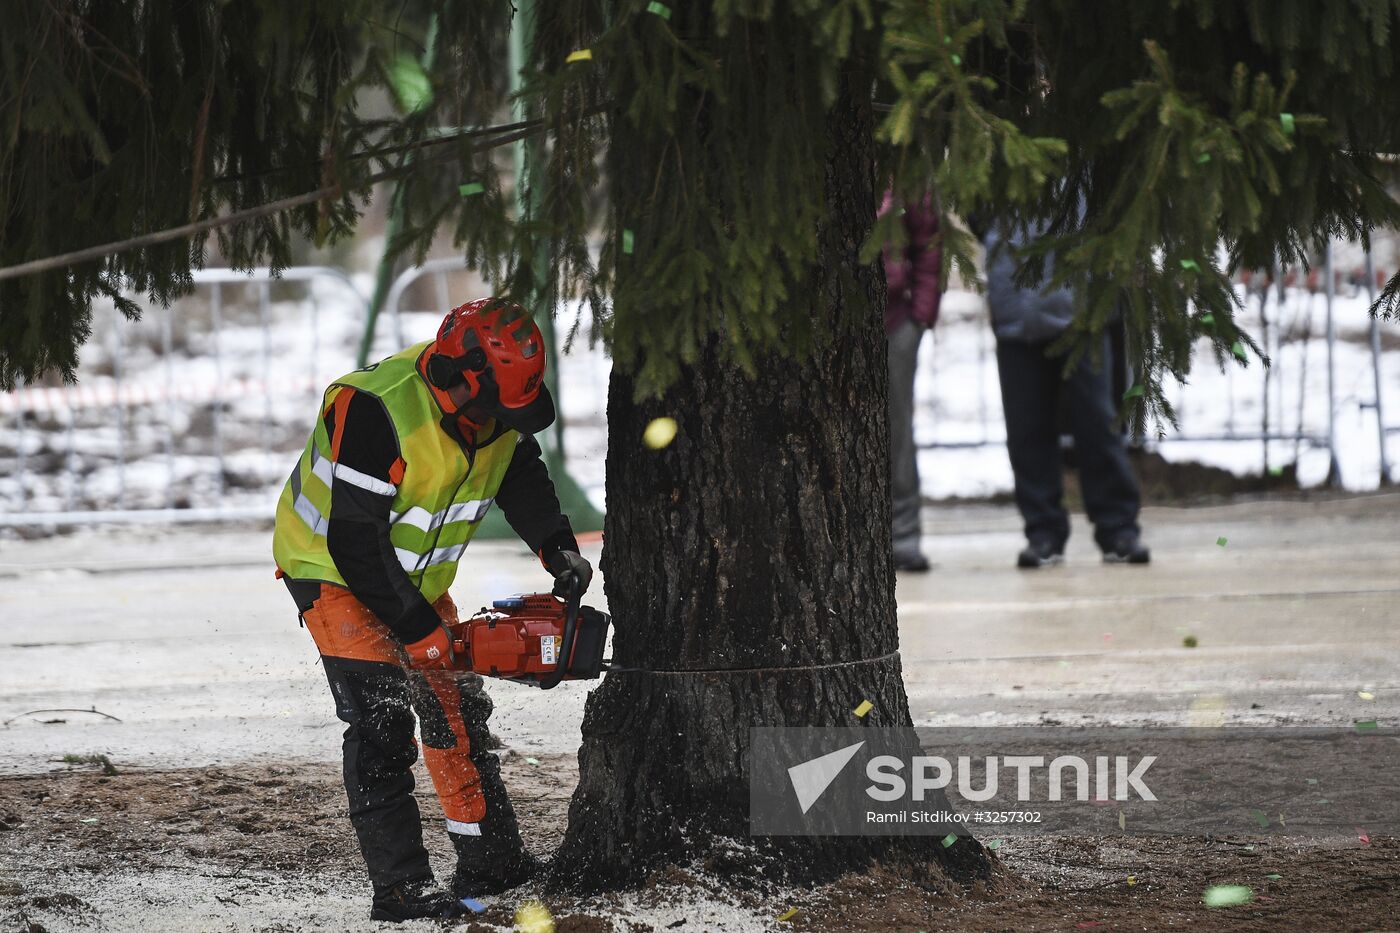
point(1274, 877)
point(1238, 349)
point(1275, 471)
point(949, 839)
point(627, 242)
point(532, 761)
point(947, 40)
point(1227, 895)
point(1208, 320)
point(957, 59)
point(1134, 392)
point(1203, 158)
point(470, 189)
point(1286, 121)
point(1190, 264)
point(1221, 542)
point(1365, 725)
point(1324, 802)
point(1311, 780)
point(411, 84)
point(994, 844)
point(1261, 818)
point(660, 9)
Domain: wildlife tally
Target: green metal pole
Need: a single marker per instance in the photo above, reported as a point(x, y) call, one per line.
point(384, 276)
point(528, 156)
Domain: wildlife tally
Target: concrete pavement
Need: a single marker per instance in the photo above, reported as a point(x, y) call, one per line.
point(185, 636)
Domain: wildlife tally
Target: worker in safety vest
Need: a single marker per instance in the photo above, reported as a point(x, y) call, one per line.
point(407, 456)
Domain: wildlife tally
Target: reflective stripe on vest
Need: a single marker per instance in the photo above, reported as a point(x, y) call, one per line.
point(437, 504)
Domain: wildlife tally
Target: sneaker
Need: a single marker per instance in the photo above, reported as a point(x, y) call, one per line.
point(1041, 553)
point(413, 900)
point(1127, 549)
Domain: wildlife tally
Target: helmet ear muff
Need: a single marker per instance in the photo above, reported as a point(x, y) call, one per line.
point(443, 371)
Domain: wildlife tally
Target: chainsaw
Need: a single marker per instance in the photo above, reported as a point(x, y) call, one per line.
point(538, 639)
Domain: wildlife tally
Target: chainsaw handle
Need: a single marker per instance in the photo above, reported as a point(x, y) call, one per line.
point(566, 646)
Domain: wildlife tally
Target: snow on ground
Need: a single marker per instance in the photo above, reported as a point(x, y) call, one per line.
point(165, 452)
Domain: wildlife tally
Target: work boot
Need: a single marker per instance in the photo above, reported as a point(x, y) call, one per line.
point(1127, 548)
point(1040, 552)
point(415, 899)
point(496, 859)
point(486, 867)
point(909, 557)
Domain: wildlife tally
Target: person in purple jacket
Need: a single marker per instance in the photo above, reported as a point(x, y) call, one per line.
point(913, 276)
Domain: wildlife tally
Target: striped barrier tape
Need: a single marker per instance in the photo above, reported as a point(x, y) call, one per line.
point(106, 394)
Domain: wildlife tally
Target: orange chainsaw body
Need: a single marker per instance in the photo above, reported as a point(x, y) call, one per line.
point(521, 638)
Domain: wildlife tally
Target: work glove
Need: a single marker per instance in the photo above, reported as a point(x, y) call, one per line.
point(432, 652)
point(566, 566)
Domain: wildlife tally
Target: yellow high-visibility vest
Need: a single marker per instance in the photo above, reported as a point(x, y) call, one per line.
point(438, 502)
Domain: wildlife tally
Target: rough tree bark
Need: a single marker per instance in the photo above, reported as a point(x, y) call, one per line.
point(755, 545)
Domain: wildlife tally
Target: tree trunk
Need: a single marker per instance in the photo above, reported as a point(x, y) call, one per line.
point(739, 559)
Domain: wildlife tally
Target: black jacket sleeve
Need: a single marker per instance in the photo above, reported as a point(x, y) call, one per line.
point(530, 504)
point(357, 535)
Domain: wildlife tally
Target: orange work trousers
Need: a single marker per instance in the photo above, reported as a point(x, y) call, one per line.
point(376, 696)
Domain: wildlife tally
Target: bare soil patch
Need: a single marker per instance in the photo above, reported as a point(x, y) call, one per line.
point(268, 848)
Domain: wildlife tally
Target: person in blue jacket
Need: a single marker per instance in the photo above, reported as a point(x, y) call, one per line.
point(1034, 391)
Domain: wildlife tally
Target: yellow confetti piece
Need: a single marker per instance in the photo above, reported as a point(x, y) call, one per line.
point(533, 917)
point(660, 433)
point(1366, 695)
point(1132, 880)
point(1189, 641)
point(787, 914)
point(864, 707)
point(582, 55)
point(1122, 820)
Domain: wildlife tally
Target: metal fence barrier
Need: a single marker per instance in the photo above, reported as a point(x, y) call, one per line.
point(1281, 309)
point(142, 405)
point(196, 414)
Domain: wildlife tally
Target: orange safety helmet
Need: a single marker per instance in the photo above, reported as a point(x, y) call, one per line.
point(496, 349)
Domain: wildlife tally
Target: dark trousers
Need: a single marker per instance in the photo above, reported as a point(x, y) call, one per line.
point(378, 699)
point(905, 495)
point(1033, 393)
